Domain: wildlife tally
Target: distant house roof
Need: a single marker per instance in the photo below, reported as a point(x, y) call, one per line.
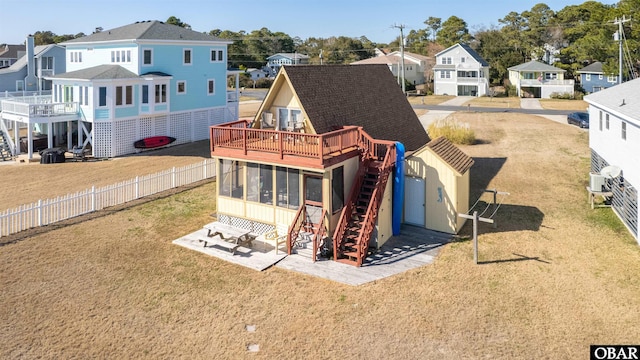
point(619, 99)
point(367, 95)
point(595, 68)
point(391, 59)
point(11, 51)
point(146, 30)
point(451, 154)
point(22, 61)
point(469, 50)
point(292, 56)
point(534, 65)
point(100, 72)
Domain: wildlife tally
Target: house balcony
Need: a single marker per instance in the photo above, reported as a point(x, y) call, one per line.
point(38, 109)
point(538, 83)
point(237, 140)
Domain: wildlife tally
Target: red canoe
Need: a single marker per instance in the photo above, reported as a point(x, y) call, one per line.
point(153, 142)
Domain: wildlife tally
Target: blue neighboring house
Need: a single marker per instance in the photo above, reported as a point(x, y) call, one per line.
point(132, 82)
point(593, 79)
point(276, 61)
point(27, 73)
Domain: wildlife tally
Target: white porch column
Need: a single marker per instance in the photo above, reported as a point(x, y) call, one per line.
point(50, 131)
point(30, 140)
point(69, 135)
point(237, 87)
point(16, 136)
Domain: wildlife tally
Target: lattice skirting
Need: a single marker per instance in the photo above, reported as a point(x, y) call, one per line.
point(625, 195)
point(116, 138)
point(255, 227)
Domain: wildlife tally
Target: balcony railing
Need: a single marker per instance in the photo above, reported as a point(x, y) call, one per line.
point(235, 139)
point(232, 96)
point(35, 107)
point(534, 82)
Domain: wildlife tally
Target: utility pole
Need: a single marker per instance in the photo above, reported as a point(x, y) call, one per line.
point(401, 74)
point(619, 35)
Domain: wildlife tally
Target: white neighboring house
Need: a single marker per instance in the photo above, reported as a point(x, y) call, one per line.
point(614, 139)
point(539, 80)
point(460, 71)
point(415, 65)
point(274, 62)
point(257, 74)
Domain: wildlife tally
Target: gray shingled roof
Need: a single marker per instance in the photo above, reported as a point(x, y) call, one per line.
point(451, 154)
point(146, 30)
point(534, 65)
point(22, 61)
point(469, 50)
point(99, 72)
point(613, 98)
point(365, 95)
point(596, 68)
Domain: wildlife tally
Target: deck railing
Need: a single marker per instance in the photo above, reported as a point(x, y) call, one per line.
point(38, 107)
point(238, 136)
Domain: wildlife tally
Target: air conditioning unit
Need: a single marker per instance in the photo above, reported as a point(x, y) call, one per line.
point(598, 182)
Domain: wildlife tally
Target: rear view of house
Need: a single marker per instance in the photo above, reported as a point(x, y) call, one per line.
point(325, 157)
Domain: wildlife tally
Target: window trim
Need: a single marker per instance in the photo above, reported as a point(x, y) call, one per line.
point(218, 54)
point(209, 87)
point(150, 57)
point(184, 56)
point(184, 87)
point(102, 96)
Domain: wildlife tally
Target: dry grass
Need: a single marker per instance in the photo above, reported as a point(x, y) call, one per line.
point(559, 104)
point(453, 130)
point(496, 102)
point(556, 276)
point(429, 99)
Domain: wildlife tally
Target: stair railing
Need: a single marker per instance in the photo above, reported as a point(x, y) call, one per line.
point(319, 233)
point(347, 210)
point(7, 138)
point(374, 205)
point(294, 228)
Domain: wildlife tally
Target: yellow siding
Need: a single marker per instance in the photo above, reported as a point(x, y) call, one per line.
point(260, 212)
point(384, 225)
point(349, 172)
point(229, 206)
point(443, 192)
point(463, 198)
point(284, 216)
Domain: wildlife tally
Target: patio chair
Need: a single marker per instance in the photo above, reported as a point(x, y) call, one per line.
point(80, 153)
point(278, 236)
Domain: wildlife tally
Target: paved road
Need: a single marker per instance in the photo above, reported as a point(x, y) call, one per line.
point(495, 110)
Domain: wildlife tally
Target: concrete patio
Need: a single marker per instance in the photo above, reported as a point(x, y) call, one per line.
point(413, 248)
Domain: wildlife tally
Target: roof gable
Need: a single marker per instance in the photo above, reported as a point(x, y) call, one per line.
point(146, 30)
point(100, 72)
point(334, 96)
point(468, 50)
point(535, 65)
point(451, 155)
point(595, 68)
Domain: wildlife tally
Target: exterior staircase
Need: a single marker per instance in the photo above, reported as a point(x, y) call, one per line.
point(360, 214)
point(5, 149)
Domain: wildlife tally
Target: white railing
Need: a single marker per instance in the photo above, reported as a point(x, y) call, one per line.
point(527, 82)
point(38, 107)
point(8, 139)
point(49, 211)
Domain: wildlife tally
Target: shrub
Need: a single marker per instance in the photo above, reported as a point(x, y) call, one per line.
point(562, 96)
point(457, 133)
point(510, 90)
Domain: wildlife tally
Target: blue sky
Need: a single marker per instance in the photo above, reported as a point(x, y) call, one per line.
point(302, 18)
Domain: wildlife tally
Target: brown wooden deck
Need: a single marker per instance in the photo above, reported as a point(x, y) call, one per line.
point(237, 141)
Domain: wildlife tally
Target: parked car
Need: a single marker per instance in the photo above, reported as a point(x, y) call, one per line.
point(579, 118)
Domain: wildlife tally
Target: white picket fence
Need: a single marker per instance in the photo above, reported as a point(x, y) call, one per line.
point(49, 211)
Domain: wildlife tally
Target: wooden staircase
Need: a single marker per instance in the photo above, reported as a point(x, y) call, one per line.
point(360, 214)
